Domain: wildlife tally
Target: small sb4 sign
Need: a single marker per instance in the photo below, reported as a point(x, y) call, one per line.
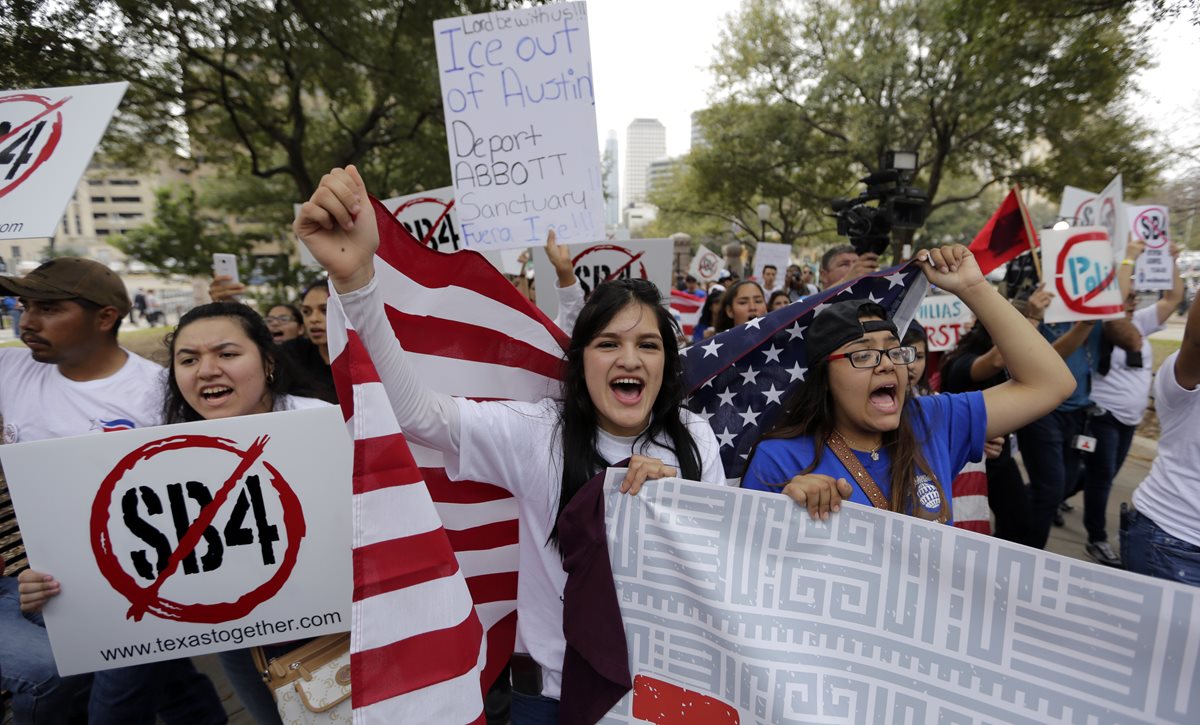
point(1078, 267)
point(217, 534)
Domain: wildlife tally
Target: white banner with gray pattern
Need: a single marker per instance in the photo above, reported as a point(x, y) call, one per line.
point(739, 608)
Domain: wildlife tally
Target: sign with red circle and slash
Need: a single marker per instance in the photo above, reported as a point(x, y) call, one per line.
point(595, 264)
point(1155, 268)
point(1080, 270)
point(47, 138)
point(186, 539)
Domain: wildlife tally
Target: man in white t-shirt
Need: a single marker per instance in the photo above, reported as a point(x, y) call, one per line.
point(1162, 536)
point(73, 379)
point(1121, 386)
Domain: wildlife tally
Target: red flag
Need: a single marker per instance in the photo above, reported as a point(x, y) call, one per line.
point(689, 308)
point(435, 562)
point(1008, 233)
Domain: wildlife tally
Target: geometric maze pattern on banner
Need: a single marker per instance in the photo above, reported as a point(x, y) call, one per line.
point(877, 617)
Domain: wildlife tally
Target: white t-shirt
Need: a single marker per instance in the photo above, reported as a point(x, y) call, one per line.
point(1170, 495)
point(516, 445)
point(39, 403)
point(1125, 391)
point(295, 402)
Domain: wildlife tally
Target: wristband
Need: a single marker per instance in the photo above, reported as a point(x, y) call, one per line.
point(1128, 261)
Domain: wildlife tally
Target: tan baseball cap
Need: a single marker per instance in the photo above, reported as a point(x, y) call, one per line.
point(67, 278)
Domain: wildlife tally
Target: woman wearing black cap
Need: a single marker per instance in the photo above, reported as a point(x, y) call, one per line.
point(854, 428)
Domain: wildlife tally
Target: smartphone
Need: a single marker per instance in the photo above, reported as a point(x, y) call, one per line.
point(225, 264)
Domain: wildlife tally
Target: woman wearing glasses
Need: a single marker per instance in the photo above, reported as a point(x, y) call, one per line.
point(283, 320)
point(854, 421)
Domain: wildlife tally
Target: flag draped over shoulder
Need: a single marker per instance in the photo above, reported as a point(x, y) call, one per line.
point(739, 379)
point(435, 562)
point(689, 308)
point(1008, 233)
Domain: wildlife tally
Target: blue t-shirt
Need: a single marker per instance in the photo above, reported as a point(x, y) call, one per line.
point(1079, 362)
point(949, 427)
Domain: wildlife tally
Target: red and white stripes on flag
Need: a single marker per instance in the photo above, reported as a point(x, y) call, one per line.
point(689, 308)
point(435, 562)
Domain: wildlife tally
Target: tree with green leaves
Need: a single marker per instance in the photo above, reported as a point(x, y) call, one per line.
point(182, 238)
point(274, 91)
point(986, 92)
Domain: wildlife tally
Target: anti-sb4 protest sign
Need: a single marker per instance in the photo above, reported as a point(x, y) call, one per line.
point(706, 265)
point(945, 319)
point(595, 264)
point(430, 217)
point(47, 137)
point(1077, 265)
point(1075, 206)
point(521, 126)
point(1108, 210)
point(1155, 268)
point(180, 540)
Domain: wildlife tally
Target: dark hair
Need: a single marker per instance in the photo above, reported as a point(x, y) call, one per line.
point(832, 252)
point(976, 341)
point(281, 380)
point(725, 319)
point(292, 310)
point(771, 267)
point(809, 412)
point(707, 318)
point(319, 283)
point(578, 422)
point(777, 293)
point(915, 334)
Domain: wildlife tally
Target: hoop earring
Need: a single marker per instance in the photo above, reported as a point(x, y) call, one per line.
point(271, 378)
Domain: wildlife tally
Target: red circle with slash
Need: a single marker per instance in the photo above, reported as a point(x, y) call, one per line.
point(1158, 218)
point(1080, 304)
point(147, 599)
point(632, 258)
point(443, 210)
point(42, 108)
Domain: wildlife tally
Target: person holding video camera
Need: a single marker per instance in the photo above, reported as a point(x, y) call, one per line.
point(1121, 386)
point(842, 263)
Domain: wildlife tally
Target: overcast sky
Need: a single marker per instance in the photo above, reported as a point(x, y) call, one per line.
point(650, 59)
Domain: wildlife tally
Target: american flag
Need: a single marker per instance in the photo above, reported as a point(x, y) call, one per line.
point(689, 308)
point(739, 379)
point(435, 563)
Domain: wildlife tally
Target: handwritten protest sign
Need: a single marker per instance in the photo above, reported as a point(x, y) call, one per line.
point(180, 540)
point(706, 265)
point(1077, 265)
point(597, 263)
point(1155, 268)
point(521, 126)
point(47, 137)
point(946, 319)
point(776, 255)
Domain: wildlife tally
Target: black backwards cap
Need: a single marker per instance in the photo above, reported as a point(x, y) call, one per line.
point(841, 323)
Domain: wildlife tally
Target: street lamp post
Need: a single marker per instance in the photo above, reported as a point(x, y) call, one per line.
point(764, 211)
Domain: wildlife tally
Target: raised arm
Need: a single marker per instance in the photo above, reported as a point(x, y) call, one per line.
point(1040, 378)
point(338, 227)
point(1174, 296)
point(1187, 365)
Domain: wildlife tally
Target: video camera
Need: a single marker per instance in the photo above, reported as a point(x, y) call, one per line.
point(898, 206)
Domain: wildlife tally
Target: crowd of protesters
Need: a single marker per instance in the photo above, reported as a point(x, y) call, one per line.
point(865, 426)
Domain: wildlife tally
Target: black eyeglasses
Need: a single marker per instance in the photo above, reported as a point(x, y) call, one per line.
point(869, 358)
point(280, 319)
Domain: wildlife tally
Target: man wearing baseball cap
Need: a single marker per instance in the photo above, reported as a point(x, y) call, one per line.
point(74, 378)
